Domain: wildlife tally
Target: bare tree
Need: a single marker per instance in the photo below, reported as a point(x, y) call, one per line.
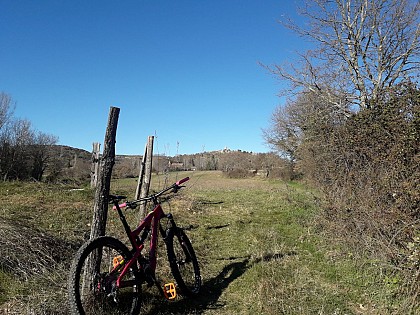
point(24, 152)
point(300, 120)
point(361, 47)
point(14, 160)
point(40, 153)
point(283, 133)
point(6, 108)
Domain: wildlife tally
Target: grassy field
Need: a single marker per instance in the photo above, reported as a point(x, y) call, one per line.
point(259, 243)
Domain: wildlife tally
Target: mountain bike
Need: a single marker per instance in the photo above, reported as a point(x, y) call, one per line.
point(106, 276)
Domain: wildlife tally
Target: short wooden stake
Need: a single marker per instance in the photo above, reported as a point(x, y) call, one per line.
point(145, 175)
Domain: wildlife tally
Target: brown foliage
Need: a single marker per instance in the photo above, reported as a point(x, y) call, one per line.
point(369, 169)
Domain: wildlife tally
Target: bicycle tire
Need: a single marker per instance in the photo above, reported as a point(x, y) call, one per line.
point(101, 297)
point(183, 262)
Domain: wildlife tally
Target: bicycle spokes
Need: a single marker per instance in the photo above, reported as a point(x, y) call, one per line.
point(100, 294)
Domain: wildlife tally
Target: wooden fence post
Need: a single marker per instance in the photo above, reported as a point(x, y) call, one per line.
point(141, 173)
point(94, 171)
point(145, 175)
point(100, 209)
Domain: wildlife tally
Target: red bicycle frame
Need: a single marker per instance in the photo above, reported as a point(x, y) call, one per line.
point(150, 223)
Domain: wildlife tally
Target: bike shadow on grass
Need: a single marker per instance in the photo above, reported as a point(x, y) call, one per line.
point(211, 289)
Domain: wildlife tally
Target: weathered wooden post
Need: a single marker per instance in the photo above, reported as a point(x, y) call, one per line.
point(94, 171)
point(100, 208)
point(141, 173)
point(145, 175)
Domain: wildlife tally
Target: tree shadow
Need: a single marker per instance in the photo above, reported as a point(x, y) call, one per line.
point(211, 289)
point(217, 227)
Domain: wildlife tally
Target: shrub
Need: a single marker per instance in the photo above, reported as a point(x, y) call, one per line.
point(369, 169)
point(238, 173)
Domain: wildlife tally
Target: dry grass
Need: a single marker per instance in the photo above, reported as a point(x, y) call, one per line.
point(27, 252)
point(259, 247)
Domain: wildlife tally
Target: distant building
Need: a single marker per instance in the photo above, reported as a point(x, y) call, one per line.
point(176, 165)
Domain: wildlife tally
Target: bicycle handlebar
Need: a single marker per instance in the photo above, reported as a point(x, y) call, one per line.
point(182, 181)
point(175, 187)
point(123, 205)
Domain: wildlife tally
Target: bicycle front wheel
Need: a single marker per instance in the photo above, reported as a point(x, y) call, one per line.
point(183, 262)
point(92, 285)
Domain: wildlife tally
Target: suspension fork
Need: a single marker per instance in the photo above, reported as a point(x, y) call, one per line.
point(172, 224)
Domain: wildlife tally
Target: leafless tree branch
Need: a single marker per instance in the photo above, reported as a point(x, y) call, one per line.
point(366, 44)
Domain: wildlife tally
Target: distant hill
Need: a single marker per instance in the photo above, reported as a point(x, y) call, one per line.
point(69, 154)
point(76, 163)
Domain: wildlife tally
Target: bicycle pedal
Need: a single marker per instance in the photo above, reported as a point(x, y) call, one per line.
point(169, 291)
point(118, 260)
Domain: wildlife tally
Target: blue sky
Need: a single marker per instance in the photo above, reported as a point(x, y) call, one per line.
point(186, 71)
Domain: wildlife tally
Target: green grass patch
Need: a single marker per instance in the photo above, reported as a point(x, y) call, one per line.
point(260, 249)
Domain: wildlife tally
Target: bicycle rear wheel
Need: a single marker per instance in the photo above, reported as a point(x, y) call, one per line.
point(93, 275)
point(183, 262)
